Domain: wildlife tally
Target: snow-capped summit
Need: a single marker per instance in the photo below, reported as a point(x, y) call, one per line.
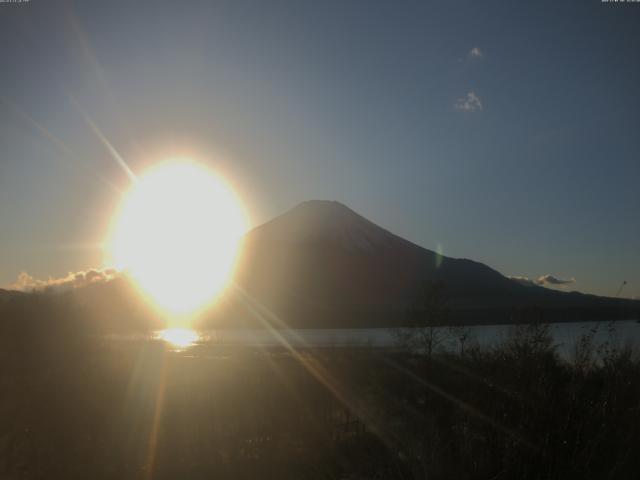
point(326, 222)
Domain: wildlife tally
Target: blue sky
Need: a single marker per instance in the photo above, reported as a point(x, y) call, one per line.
point(505, 132)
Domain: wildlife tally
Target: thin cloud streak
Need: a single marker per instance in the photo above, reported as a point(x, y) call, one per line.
point(552, 280)
point(543, 280)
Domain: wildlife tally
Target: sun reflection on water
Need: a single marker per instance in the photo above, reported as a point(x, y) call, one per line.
point(178, 337)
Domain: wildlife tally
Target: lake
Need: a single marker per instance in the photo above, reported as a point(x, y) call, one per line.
point(620, 333)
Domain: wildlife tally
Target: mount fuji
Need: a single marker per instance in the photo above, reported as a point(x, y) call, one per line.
point(323, 265)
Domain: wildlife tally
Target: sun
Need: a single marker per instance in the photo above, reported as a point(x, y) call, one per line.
point(177, 234)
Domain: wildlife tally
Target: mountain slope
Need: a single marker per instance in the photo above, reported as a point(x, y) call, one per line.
point(322, 264)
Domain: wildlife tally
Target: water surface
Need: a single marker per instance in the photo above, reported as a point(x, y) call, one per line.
point(565, 335)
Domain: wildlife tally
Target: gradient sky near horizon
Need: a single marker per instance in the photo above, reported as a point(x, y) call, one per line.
point(505, 132)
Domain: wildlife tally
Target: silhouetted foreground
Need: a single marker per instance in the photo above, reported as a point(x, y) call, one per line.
point(75, 406)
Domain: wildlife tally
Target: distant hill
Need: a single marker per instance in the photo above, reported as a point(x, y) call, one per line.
point(6, 295)
point(322, 264)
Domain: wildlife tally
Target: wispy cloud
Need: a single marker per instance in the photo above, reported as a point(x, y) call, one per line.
point(543, 280)
point(28, 283)
point(470, 103)
point(551, 280)
point(475, 52)
point(526, 281)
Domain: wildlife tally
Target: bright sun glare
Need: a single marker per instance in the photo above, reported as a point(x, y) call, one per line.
point(179, 337)
point(177, 234)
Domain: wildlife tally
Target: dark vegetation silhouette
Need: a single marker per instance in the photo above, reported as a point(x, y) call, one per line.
point(428, 312)
point(78, 405)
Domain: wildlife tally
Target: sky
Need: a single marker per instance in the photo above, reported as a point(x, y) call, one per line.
point(505, 132)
